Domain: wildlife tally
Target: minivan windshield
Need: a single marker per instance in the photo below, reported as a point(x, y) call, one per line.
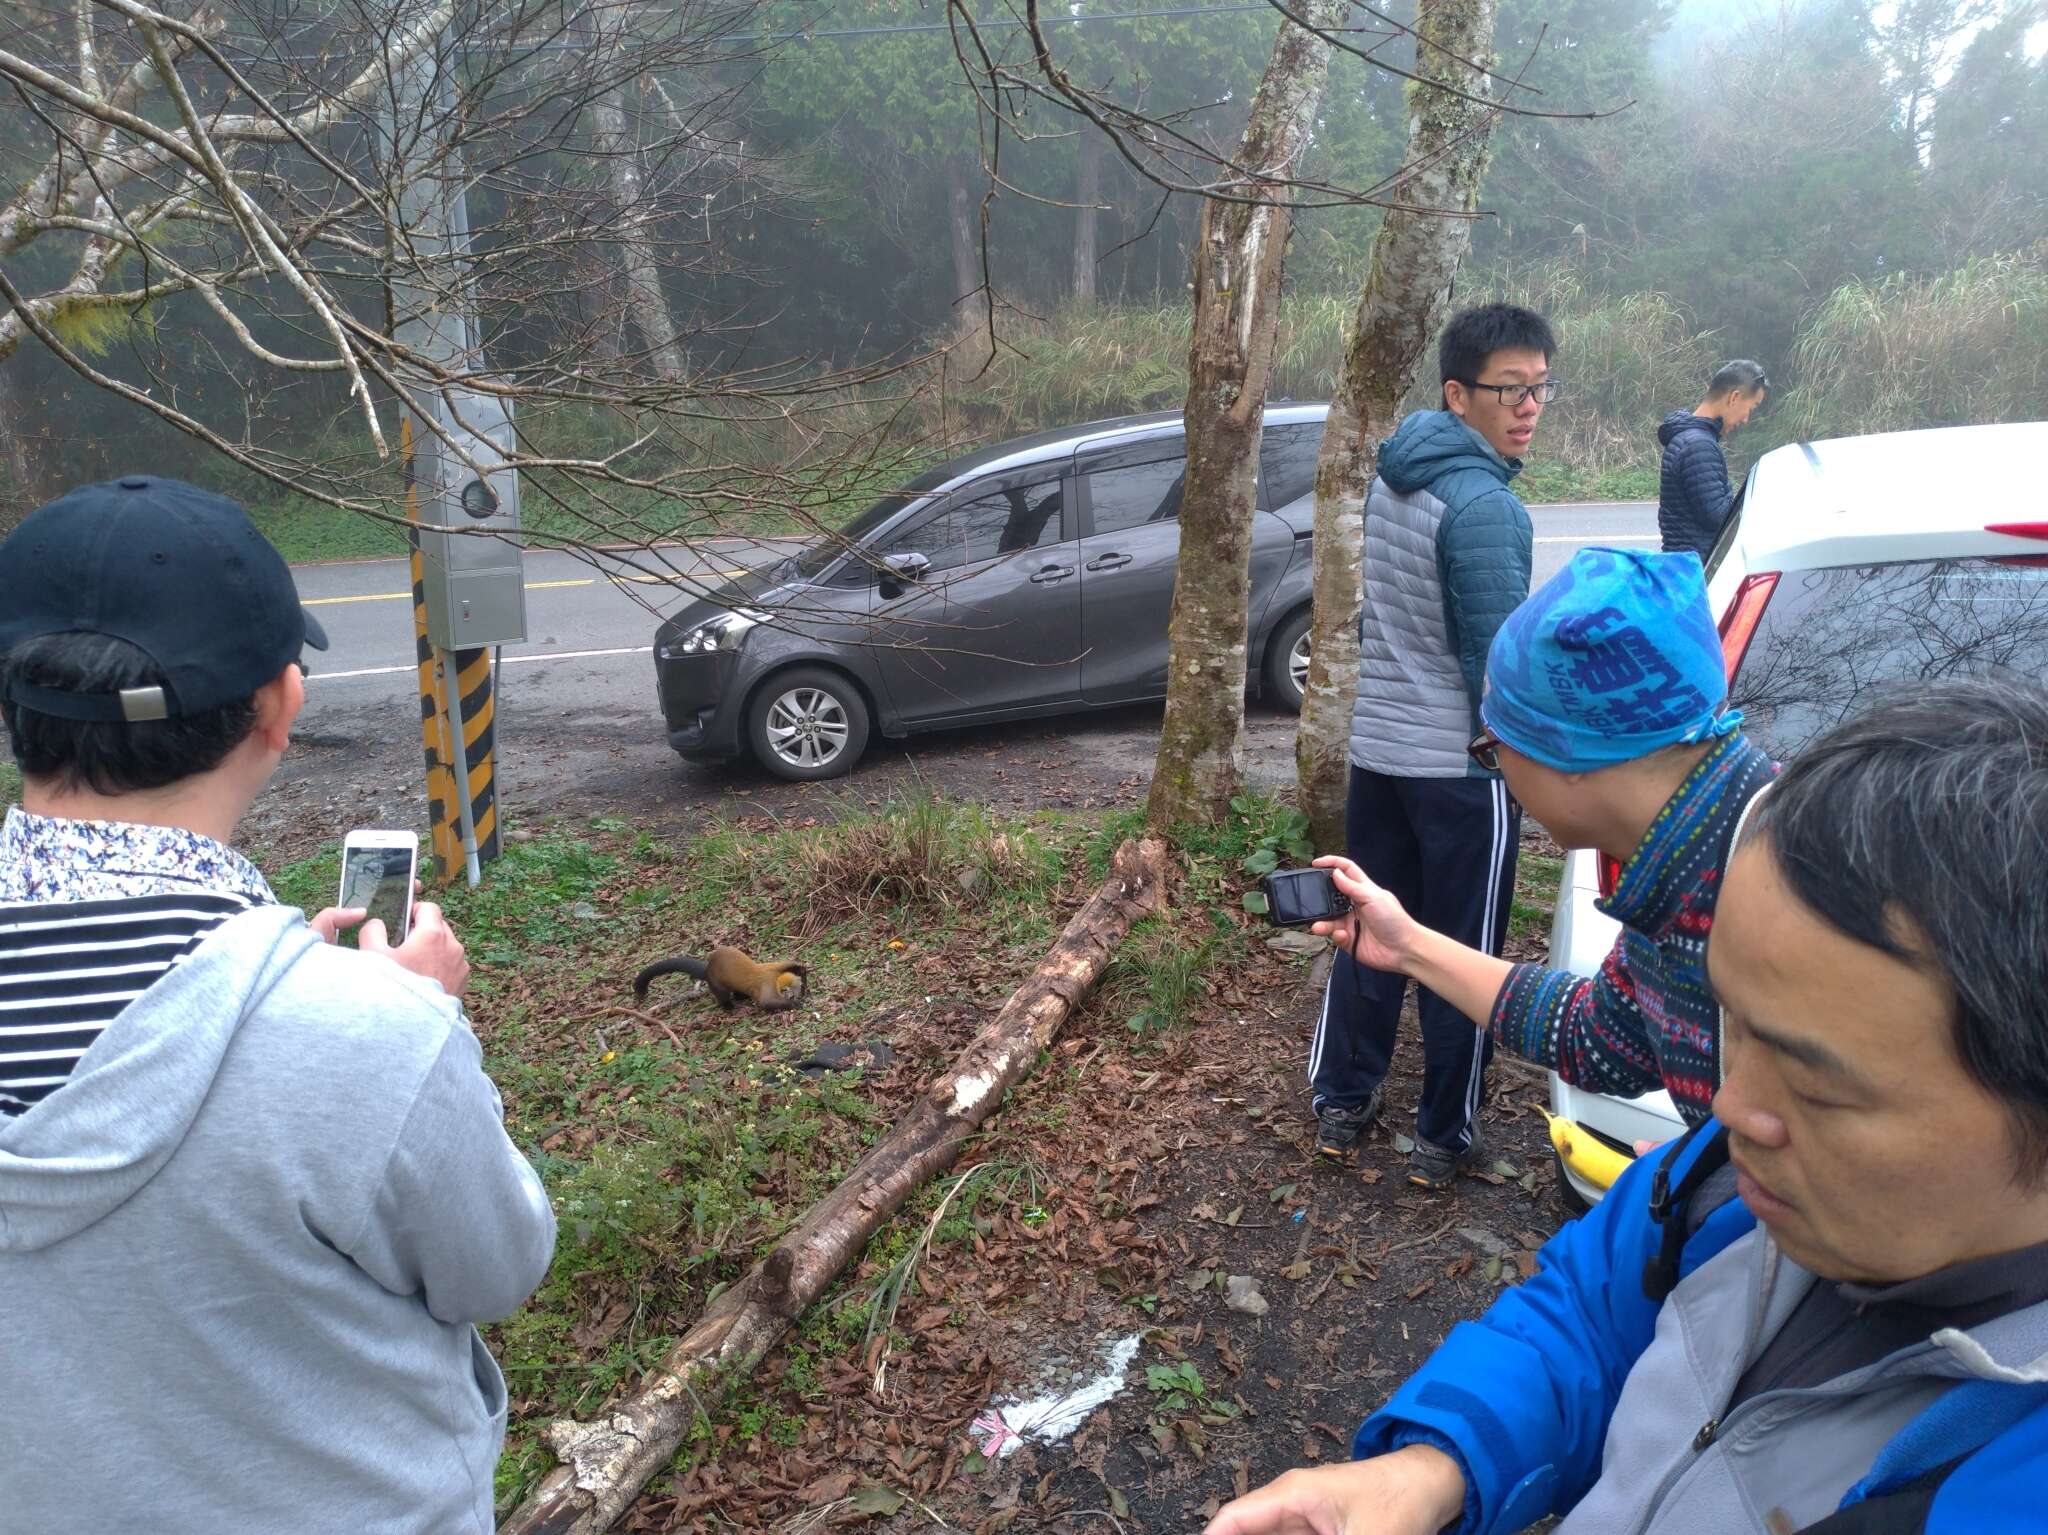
point(812, 562)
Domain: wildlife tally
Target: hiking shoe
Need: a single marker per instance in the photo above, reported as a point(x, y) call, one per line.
point(1338, 1130)
point(1437, 1167)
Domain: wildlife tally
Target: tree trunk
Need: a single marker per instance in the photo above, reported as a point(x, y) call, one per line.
point(598, 313)
point(1087, 193)
point(646, 304)
point(21, 493)
point(1240, 248)
point(1415, 261)
point(607, 1463)
point(966, 236)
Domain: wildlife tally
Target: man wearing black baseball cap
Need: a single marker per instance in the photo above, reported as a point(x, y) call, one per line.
point(271, 1171)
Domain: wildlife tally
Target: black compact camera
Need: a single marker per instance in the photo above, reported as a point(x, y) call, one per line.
point(1297, 897)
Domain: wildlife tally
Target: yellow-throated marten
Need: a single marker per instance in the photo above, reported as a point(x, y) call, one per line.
point(732, 975)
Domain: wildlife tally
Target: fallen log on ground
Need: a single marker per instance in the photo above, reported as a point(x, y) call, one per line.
point(605, 1464)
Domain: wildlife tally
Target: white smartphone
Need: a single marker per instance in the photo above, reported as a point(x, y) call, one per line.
point(377, 871)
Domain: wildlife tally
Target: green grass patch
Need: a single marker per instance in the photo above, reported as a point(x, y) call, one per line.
point(1546, 483)
point(1535, 899)
point(677, 1145)
point(754, 494)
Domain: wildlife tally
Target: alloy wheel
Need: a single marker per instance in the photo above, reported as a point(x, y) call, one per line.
point(807, 727)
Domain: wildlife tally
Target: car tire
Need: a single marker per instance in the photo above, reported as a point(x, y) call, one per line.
point(1287, 662)
point(1575, 1203)
point(808, 723)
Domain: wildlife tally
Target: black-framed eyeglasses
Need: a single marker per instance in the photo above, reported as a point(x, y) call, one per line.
point(1513, 395)
point(305, 670)
point(1484, 750)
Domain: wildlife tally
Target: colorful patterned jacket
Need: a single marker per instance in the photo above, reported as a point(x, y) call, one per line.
point(1647, 1020)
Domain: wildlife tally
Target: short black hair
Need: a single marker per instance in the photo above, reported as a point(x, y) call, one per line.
point(111, 756)
point(1920, 827)
point(1739, 376)
point(1476, 334)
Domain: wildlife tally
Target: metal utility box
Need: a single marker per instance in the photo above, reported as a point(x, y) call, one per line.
point(473, 567)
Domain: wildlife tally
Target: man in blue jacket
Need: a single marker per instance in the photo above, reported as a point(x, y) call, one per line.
point(1446, 560)
point(1826, 1309)
point(1693, 493)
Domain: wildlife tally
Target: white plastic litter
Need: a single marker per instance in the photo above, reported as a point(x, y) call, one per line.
point(1002, 1429)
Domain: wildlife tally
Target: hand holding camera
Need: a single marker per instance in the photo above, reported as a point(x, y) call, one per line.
point(1377, 931)
point(1337, 900)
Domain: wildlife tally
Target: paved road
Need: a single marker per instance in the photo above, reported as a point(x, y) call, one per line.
point(604, 616)
point(578, 727)
point(575, 610)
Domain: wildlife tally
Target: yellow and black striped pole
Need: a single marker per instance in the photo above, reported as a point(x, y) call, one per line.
point(451, 839)
point(474, 713)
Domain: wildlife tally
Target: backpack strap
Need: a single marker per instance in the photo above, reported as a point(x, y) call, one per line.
point(1668, 1202)
point(1902, 1511)
point(1896, 1496)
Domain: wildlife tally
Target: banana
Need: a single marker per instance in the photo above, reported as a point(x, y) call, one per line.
point(1597, 1163)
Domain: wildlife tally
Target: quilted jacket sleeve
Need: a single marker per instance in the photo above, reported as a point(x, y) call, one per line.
point(1483, 555)
point(1700, 471)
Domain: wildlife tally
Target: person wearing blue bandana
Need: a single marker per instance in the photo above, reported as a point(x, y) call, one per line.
point(1606, 712)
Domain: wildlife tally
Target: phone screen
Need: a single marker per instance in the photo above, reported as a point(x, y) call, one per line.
point(379, 878)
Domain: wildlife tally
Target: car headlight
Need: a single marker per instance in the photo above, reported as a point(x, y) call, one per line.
point(721, 633)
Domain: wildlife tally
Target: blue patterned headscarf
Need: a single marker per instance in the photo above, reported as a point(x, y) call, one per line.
point(1612, 658)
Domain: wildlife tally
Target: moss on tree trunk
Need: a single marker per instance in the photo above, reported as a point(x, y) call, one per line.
point(1239, 253)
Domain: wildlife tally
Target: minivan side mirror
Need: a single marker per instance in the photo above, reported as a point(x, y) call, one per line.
point(906, 567)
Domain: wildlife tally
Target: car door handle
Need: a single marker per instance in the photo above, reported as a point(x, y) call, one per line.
point(1051, 573)
point(1109, 562)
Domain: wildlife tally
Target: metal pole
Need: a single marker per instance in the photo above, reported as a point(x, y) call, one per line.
point(451, 687)
point(434, 315)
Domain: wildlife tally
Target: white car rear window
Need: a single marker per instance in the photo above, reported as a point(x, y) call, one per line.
point(1831, 640)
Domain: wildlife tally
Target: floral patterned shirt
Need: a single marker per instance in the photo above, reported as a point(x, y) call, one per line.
point(47, 858)
point(92, 913)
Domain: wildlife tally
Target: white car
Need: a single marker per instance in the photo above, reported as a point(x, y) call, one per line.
point(1845, 566)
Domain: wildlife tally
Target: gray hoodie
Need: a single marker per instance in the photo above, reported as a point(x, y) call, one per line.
point(243, 1250)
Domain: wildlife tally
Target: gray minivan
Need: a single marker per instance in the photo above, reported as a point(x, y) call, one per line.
point(1030, 578)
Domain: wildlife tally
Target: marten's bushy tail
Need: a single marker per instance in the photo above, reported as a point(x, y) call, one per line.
point(686, 964)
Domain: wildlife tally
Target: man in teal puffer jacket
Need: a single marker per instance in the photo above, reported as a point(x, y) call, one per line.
point(1446, 559)
point(1826, 1309)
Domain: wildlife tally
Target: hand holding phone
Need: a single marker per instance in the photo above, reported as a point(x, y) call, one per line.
point(431, 950)
point(378, 869)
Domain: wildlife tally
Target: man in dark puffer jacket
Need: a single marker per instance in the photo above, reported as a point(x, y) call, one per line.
point(1693, 495)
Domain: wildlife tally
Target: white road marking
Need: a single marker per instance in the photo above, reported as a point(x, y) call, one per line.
point(531, 586)
point(641, 650)
point(545, 655)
